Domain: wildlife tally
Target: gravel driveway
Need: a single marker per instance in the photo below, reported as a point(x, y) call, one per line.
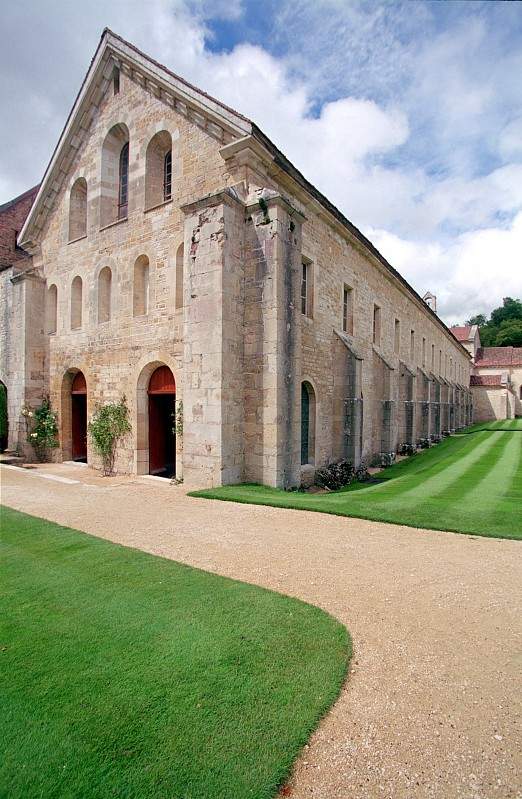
point(431, 707)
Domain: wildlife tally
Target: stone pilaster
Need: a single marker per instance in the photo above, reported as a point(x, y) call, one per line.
point(213, 446)
point(272, 341)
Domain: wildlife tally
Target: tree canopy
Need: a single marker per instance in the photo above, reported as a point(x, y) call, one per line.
point(503, 328)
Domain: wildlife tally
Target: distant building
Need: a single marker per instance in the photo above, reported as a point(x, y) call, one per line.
point(496, 381)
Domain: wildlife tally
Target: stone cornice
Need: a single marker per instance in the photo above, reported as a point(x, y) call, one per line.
point(225, 197)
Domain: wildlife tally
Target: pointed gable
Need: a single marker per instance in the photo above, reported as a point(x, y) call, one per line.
point(113, 51)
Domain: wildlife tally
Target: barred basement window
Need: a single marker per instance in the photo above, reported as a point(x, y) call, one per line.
point(123, 193)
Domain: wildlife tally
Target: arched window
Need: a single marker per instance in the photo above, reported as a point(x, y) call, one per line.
point(140, 299)
point(78, 210)
point(51, 308)
point(158, 169)
point(520, 392)
point(114, 175)
point(167, 176)
point(179, 277)
point(104, 294)
point(76, 303)
point(307, 424)
point(123, 184)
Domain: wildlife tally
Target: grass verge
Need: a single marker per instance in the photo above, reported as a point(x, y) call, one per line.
point(470, 483)
point(127, 675)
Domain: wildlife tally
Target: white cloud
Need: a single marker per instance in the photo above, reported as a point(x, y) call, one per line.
point(416, 139)
point(470, 274)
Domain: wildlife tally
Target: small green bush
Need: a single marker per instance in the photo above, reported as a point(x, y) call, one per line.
point(335, 476)
point(42, 428)
point(108, 425)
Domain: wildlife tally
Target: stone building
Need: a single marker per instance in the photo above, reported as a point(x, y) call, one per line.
point(496, 379)
point(179, 259)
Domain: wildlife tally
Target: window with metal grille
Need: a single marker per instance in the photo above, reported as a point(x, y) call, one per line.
point(167, 176)
point(123, 193)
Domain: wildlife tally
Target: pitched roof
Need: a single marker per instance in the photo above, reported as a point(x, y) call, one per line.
point(493, 381)
point(461, 332)
point(499, 356)
point(29, 194)
point(178, 93)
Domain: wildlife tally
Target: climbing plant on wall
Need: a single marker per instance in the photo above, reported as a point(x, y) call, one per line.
point(109, 424)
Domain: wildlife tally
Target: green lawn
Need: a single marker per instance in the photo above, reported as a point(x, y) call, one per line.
point(470, 483)
point(127, 675)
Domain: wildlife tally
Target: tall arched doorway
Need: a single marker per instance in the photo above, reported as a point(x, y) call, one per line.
point(162, 437)
point(79, 418)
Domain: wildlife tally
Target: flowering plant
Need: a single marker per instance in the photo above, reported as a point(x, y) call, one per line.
point(42, 428)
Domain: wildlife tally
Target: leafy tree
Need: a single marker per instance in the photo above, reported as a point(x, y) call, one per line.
point(510, 309)
point(509, 333)
point(479, 320)
point(503, 327)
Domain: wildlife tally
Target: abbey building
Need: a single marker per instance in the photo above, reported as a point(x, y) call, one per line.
point(172, 254)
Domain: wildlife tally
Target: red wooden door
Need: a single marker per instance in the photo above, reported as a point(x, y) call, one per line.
point(79, 418)
point(162, 438)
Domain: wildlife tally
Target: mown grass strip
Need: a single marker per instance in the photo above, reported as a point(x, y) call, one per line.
point(128, 675)
point(428, 490)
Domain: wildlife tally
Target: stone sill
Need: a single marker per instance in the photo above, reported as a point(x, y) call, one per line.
point(116, 222)
point(80, 238)
point(158, 205)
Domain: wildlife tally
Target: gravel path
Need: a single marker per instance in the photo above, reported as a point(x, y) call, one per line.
point(432, 702)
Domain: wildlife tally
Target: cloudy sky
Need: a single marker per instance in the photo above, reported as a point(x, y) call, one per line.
point(407, 115)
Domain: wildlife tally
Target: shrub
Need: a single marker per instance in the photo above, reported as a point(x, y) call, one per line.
point(108, 425)
point(362, 475)
point(387, 459)
point(407, 449)
point(335, 476)
point(42, 428)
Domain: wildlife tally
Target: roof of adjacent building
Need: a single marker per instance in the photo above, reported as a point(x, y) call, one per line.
point(29, 194)
point(499, 356)
point(464, 332)
point(491, 381)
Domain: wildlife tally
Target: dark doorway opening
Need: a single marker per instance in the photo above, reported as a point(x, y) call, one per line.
point(4, 422)
point(79, 418)
point(162, 437)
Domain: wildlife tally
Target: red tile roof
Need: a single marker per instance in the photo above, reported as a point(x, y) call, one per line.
point(499, 356)
point(461, 332)
point(486, 380)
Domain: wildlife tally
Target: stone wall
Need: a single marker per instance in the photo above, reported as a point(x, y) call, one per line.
point(226, 315)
